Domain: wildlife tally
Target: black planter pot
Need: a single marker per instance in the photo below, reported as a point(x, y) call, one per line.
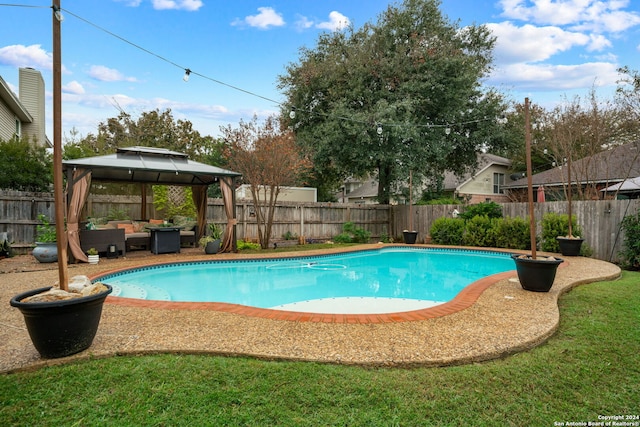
point(536, 275)
point(569, 247)
point(212, 247)
point(61, 328)
point(410, 237)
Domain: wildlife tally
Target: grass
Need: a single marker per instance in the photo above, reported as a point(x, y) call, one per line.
point(589, 368)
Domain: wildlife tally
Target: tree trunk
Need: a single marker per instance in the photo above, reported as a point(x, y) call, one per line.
point(384, 176)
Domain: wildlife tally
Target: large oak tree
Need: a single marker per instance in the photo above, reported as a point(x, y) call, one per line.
point(403, 94)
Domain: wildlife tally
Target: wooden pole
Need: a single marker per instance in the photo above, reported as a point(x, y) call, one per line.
point(58, 193)
point(569, 191)
point(410, 201)
point(527, 138)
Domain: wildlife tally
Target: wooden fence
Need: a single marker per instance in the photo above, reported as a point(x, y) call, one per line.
point(600, 220)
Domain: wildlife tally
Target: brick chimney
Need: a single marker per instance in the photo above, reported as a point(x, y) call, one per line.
point(31, 94)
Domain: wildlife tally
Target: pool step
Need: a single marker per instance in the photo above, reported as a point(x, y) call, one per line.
point(157, 294)
point(127, 290)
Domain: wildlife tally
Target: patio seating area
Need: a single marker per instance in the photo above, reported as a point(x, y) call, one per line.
point(502, 320)
point(128, 235)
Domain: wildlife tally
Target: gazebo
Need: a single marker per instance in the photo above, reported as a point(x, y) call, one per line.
point(147, 165)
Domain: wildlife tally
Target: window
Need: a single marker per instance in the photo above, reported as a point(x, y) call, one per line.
point(498, 183)
point(18, 128)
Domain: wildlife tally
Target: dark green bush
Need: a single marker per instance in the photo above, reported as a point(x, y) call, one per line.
point(447, 231)
point(512, 233)
point(352, 234)
point(509, 233)
point(554, 225)
point(489, 209)
point(630, 255)
point(479, 231)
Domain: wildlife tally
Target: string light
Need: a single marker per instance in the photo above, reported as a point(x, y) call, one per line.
point(187, 72)
point(57, 13)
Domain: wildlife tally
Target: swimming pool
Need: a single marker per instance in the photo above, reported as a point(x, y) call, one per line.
point(371, 281)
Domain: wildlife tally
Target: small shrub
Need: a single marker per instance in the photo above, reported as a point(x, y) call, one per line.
point(384, 238)
point(554, 225)
point(489, 209)
point(5, 247)
point(630, 255)
point(447, 231)
point(512, 233)
point(352, 234)
point(479, 231)
point(45, 232)
point(117, 214)
point(289, 236)
point(243, 244)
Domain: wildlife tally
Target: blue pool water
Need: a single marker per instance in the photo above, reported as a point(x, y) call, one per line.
point(395, 279)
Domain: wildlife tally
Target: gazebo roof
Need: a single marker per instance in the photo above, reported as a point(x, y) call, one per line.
point(149, 165)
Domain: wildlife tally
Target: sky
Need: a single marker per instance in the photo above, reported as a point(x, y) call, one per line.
point(131, 55)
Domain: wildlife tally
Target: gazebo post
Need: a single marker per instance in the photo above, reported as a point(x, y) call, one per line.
point(235, 215)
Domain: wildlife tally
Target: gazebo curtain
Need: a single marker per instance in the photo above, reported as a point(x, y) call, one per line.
point(199, 195)
point(79, 187)
point(226, 185)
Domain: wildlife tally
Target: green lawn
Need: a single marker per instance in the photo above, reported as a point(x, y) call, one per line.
point(591, 367)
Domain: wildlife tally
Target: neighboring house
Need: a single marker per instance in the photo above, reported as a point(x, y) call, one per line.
point(355, 191)
point(592, 174)
point(286, 194)
point(485, 184)
point(23, 115)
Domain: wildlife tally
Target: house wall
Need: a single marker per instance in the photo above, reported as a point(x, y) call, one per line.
point(480, 187)
point(7, 122)
point(286, 194)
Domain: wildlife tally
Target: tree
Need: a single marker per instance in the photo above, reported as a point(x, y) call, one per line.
point(628, 99)
point(150, 129)
point(402, 94)
point(578, 129)
point(26, 166)
point(267, 157)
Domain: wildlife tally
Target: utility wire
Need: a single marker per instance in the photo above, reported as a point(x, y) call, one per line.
point(168, 60)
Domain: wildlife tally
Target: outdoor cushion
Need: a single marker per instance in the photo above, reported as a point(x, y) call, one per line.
point(128, 228)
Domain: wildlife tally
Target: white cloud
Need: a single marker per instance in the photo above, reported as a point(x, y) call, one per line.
point(190, 5)
point(547, 77)
point(131, 3)
point(26, 56)
point(105, 74)
point(602, 16)
point(267, 17)
point(337, 21)
point(598, 43)
point(533, 44)
point(73, 87)
point(303, 23)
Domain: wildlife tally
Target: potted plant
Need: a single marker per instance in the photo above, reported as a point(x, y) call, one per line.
point(535, 273)
point(5, 246)
point(61, 323)
point(93, 256)
point(569, 245)
point(46, 249)
point(211, 243)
